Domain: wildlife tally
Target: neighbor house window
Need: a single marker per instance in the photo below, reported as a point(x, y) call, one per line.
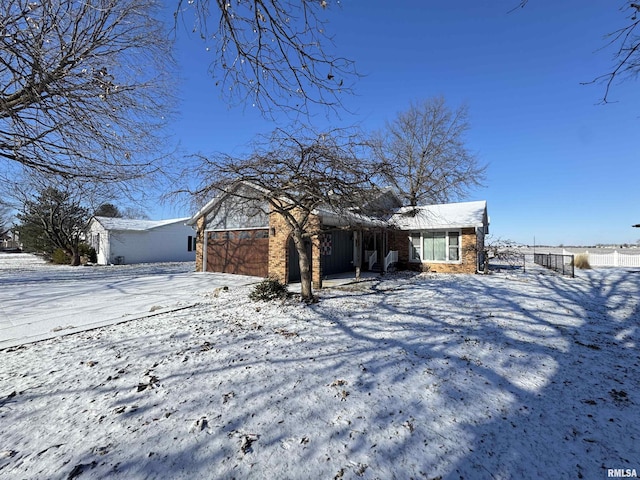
point(191, 243)
point(96, 242)
point(440, 246)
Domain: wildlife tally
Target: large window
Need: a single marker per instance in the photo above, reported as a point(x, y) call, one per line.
point(435, 246)
point(441, 246)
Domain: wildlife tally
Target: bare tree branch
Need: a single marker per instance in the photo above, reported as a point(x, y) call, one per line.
point(272, 54)
point(425, 156)
point(626, 44)
point(626, 58)
point(293, 175)
point(83, 87)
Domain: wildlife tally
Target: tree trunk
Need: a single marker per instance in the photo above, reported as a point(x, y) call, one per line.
point(73, 250)
point(306, 290)
point(75, 257)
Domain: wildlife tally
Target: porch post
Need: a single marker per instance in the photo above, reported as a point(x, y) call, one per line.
point(385, 245)
point(357, 252)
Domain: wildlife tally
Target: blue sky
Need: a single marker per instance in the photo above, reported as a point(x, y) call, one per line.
point(561, 168)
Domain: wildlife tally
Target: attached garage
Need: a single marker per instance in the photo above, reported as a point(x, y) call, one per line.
point(242, 252)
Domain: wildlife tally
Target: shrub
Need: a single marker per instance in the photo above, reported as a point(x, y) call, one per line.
point(59, 257)
point(269, 289)
point(89, 252)
point(581, 261)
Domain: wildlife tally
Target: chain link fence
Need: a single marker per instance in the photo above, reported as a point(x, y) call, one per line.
point(563, 264)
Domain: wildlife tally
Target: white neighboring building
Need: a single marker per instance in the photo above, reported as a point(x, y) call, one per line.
point(126, 241)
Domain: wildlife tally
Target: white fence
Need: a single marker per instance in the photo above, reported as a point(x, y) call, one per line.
point(613, 259)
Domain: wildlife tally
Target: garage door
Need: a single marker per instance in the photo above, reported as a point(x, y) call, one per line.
point(243, 252)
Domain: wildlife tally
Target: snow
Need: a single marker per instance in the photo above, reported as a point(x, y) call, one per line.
point(40, 300)
point(510, 375)
point(115, 223)
point(448, 215)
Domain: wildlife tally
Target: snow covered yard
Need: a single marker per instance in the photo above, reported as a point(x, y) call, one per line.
point(512, 375)
point(39, 300)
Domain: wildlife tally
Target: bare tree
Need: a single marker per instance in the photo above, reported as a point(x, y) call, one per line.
point(83, 87)
point(424, 153)
point(272, 54)
point(625, 42)
point(504, 251)
point(295, 174)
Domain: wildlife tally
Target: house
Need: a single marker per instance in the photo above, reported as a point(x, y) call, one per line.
point(447, 238)
point(10, 241)
point(238, 233)
point(127, 241)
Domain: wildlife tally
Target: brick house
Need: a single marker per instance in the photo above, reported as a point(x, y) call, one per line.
point(237, 233)
point(447, 238)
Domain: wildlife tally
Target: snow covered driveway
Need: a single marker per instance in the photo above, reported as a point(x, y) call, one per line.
point(512, 375)
point(40, 300)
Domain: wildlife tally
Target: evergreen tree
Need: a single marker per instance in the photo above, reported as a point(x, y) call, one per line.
point(55, 219)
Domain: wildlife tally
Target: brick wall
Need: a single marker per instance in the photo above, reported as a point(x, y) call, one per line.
point(199, 243)
point(316, 264)
point(279, 235)
point(278, 252)
point(399, 240)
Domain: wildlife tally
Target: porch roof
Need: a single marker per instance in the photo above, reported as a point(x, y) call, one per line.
point(347, 219)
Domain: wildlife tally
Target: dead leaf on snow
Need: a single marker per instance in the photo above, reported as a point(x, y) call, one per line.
point(247, 441)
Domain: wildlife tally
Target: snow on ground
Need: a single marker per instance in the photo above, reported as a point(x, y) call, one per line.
point(511, 375)
point(39, 300)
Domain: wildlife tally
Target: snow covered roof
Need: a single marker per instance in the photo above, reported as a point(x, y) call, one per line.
point(329, 215)
point(346, 218)
point(130, 224)
point(448, 215)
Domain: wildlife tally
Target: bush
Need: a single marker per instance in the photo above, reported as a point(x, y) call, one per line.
point(59, 257)
point(89, 252)
point(269, 289)
point(581, 261)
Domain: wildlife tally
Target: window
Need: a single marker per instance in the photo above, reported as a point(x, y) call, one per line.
point(96, 242)
point(441, 246)
point(190, 243)
point(435, 246)
point(415, 247)
point(454, 246)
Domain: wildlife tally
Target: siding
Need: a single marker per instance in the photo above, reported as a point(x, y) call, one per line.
point(340, 257)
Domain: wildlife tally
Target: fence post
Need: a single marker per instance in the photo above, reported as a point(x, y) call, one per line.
point(616, 260)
